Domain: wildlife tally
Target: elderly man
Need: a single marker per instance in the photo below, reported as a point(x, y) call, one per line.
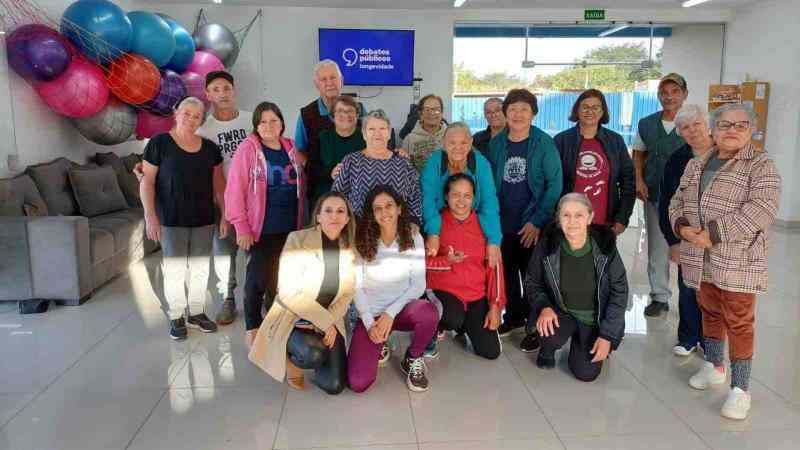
point(722, 210)
point(655, 142)
point(493, 112)
point(692, 125)
point(316, 117)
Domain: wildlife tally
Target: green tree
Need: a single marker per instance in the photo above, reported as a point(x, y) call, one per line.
point(609, 78)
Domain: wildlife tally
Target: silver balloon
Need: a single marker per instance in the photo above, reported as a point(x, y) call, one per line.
point(113, 125)
point(219, 40)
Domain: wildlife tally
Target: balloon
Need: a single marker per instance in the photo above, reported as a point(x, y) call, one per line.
point(113, 125)
point(149, 125)
point(217, 39)
point(203, 63)
point(36, 52)
point(171, 92)
point(152, 37)
point(195, 86)
point(79, 92)
point(99, 28)
point(184, 45)
point(133, 79)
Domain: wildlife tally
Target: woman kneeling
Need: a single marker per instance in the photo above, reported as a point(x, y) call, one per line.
point(391, 280)
point(577, 286)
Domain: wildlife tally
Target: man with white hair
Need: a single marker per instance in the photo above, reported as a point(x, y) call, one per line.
point(315, 117)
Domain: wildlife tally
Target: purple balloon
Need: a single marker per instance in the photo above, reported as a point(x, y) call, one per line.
point(37, 53)
point(171, 92)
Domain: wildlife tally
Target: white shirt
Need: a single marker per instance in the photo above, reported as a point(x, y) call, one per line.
point(390, 281)
point(638, 143)
point(228, 134)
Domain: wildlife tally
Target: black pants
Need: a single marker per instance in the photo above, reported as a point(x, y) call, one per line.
point(307, 351)
point(690, 325)
point(485, 342)
point(515, 265)
point(262, 277)
point(583, 337)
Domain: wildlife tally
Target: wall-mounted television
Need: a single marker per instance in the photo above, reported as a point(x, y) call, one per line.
point(370, 57)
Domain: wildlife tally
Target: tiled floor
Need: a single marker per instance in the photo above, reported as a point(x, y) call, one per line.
point(105, 376)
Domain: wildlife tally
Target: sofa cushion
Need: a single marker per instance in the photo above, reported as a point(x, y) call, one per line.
point(131, 160)
point(19, 196)
point(52, 180)
point(122, 228)
point(101, 244)
point(127, 180)
point(97, 191)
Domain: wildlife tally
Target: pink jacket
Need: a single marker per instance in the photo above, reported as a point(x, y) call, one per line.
point(246, 187)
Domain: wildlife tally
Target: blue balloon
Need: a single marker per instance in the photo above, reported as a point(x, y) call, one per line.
point(99, 28)
point(152, 37)
point(184, 45)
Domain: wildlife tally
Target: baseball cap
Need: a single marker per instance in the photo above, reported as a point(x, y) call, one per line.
point(218, 74)
point(674, 78)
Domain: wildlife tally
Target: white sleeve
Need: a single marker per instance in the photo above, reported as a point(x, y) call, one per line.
point(638, 143)
point(361, 300)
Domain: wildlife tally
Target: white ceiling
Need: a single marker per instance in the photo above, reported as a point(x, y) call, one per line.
point(483, 4)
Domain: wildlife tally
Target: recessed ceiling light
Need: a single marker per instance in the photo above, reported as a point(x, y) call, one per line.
point(458, 3)
point(690, 3)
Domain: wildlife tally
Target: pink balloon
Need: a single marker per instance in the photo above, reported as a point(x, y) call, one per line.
point(195, 86)
point(79, 92)
point(203, 63)
point(149, 125)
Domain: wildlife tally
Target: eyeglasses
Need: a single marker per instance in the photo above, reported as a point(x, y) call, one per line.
point(432, 110)
point(726, 125)
point(348, 112)
point(594, 109)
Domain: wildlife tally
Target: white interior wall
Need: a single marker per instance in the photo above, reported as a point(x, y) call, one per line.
point(762, 45)
point(695, 51)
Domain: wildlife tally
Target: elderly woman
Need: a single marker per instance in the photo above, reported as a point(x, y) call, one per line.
point(528, 178)
point(577, 286)
point(345, 138)
point(375, 165)
point(726, 201)
point(691, 124)
point(304, 329)
point(182, 179)
point(390, 281)
point(265, 198)
point(496, 120)
point(595, 161)
point(427, 133)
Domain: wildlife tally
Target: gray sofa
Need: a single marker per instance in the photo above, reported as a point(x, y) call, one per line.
point(66, 229)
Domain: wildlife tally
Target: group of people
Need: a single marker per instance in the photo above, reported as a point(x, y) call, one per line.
point(350, 237)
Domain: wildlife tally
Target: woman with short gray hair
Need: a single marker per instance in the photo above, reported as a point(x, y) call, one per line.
point(722, 211)
point(182, 180)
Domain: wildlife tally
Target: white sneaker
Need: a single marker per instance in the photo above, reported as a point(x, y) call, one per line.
point(680, 350)
point(386, 353)
point(708, 375)
point(737, 405)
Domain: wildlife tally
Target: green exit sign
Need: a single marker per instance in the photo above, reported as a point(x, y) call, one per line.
point(594, 14)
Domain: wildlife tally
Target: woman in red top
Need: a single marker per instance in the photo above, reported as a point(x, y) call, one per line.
point(471, 293)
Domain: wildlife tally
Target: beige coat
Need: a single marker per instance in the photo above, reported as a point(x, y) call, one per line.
point(299, 280)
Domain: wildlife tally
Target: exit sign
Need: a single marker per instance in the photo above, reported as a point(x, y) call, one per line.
point(594, 14)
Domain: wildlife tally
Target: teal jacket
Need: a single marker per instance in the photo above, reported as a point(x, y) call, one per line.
point(433, 179)
point(545, 178)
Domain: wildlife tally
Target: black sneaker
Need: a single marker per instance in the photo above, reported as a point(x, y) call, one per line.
point(655, 309)
point(530, 343)
point(415, 369)
point(507, 328)
point(202, 322)
point(545, 362)
point(177, 329)
point(227, 312)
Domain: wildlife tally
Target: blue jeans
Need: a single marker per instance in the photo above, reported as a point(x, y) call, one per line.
point(690, 325)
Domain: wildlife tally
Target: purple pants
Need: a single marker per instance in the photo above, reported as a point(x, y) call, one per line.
point(419, 316)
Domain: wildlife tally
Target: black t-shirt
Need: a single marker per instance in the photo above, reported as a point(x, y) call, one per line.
point(185, 181)
point(330, 281)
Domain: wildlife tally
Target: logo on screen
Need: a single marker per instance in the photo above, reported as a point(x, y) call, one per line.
point(350, 57)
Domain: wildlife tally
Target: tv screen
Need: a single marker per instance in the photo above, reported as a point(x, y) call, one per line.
point(370, 57)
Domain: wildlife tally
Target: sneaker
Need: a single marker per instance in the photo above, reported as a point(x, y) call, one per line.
point(655, 309)
point(201, 322)
point(545, 362)
point(177, 329)
point(432, 350)
point(530, 343)
point(506, 329)
point(461, 339)
point(441, 335)
point(707, 376)
point(415, 369)
point(386, 352)
point(737, 405)
point(684, 350)
point(227, 312)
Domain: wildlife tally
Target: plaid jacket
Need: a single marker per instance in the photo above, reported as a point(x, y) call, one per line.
point(737, 209)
